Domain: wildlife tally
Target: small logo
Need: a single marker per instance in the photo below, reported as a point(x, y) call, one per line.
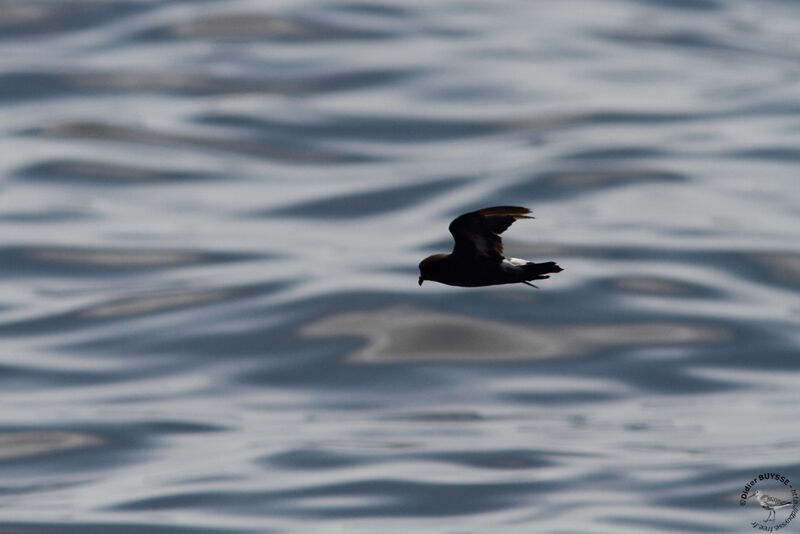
point(775, 493)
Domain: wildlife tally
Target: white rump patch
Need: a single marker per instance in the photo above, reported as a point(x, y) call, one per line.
point(513, 264)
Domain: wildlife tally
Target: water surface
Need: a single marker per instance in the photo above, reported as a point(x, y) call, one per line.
point(211, 215)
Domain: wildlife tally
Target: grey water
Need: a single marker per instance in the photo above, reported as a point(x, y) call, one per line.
point(211, 215)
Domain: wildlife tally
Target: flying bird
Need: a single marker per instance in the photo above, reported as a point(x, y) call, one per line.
point(477, 258)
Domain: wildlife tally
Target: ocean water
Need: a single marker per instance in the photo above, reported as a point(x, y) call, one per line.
point(211, 215)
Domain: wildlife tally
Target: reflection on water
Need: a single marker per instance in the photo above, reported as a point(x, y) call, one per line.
point(407, 335)
point(212, 214)
point(23, 444)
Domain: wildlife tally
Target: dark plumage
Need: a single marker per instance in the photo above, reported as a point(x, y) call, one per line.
point(477, 258)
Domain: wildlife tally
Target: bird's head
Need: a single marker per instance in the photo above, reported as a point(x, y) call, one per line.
point(429, 268)
point(755, 494)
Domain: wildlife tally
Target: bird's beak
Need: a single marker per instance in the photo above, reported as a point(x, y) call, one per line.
point(421, 280)
point(750, 495)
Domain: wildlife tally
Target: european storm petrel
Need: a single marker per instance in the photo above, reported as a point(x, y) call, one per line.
point(477, 258)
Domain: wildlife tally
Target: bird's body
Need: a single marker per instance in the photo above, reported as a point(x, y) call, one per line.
point(477, 258)
point(770, 503)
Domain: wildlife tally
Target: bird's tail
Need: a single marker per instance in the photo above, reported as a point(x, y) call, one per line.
point(540, 271)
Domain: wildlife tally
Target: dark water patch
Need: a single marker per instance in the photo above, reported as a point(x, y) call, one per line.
point(271, 150)
point(179, 427)
point(249, 26)
point(693, 5)
point(372, 129)
point(756, 349)
point(20, 377)
point(671, 40)
point(653, 285)
point(65, 261)
point(512, 460)
point(409, 129)
point(368, 203)
point(313, 459)
point(620, 153)
point(393, 11)
point(102, 173)
point(783, 267)
point(144, 305)
point(624, 117)
point(21, 85)
point(393, 498)
point(406, 129)
point(20, 19)
point(775, 154)
point(557, 398)
point(345, 80)
point(774, 107)
point(670, 378)
point(564, 184)
point(475, 93)
point(362, 498)
point(48, 217)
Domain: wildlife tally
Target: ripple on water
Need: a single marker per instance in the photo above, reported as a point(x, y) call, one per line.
point(93, 261)
point(654, 285)
point(784, 267)
point(512, 459)
point(778, 154)
point(32, 18)
point(564, 184)
point(370, 203)
point(164, 301)
point(313, 459)
point(246, 26)
point(398, 335)
point(617, 153)
point(358, 498)
point(266, 149)
point(373, 128)
point(141, 305)
point(106, 173)
point(15, 445)
point(30, 85)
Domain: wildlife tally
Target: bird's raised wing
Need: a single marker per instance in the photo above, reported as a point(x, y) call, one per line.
point(478, 233)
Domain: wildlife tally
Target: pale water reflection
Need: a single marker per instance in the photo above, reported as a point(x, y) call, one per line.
point(408, 335)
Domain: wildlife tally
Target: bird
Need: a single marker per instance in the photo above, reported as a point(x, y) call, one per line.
point(769, 503)
point(477, 258)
